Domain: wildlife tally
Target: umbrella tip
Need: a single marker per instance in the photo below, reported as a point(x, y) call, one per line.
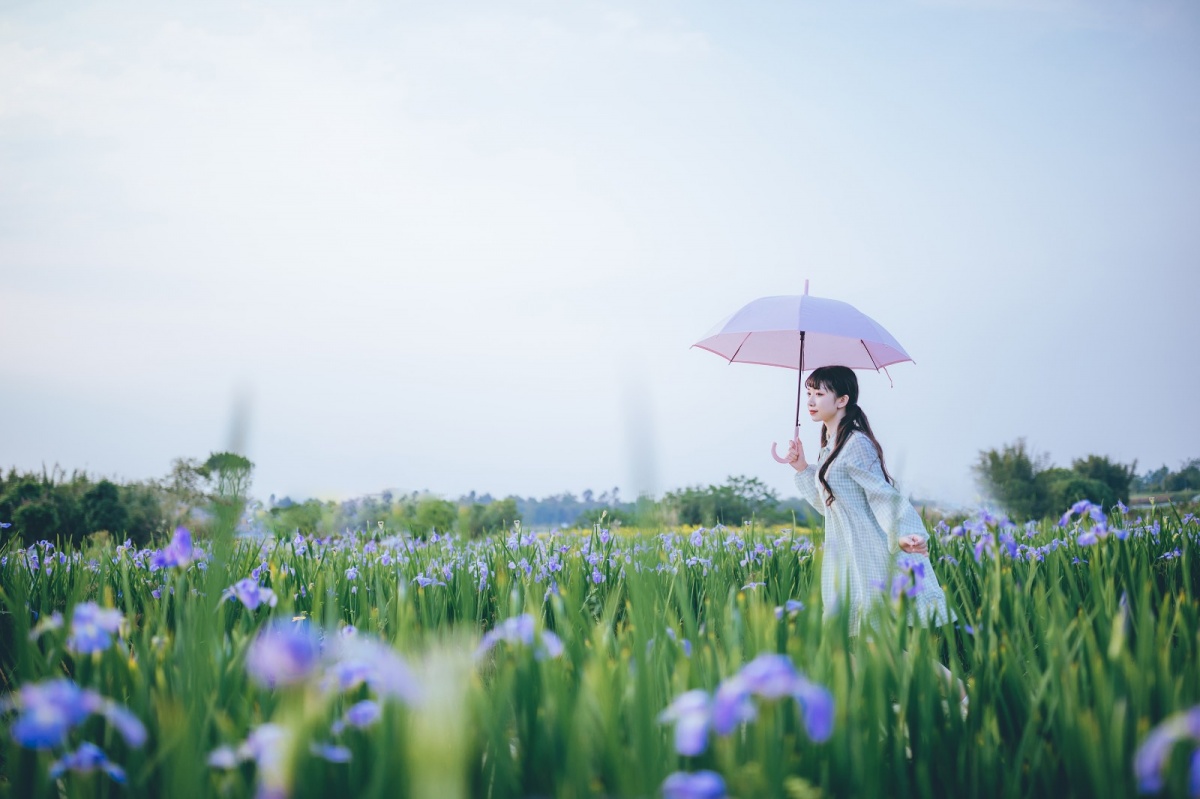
point(805, 285)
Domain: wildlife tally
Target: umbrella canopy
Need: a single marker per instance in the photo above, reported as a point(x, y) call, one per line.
point(774, 331)
point(803, 332)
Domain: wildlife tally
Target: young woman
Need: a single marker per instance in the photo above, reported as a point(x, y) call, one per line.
point(875, 542)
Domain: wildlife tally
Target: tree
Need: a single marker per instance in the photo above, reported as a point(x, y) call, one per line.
point(1118, 477)
point(103, 510)
point(1009, 476)
point(492, 517)
point(739, 499)
point(433, 514)
point(229, 474)
point(1186, 479)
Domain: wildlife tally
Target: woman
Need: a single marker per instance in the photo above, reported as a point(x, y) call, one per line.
point(875, 543)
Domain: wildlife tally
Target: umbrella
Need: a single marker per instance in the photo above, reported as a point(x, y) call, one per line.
point(803, 332)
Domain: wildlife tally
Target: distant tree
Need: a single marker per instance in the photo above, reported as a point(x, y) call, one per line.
point(103, 509)
point(36, 520)
point(304, 517)
point(229, 474)
point(1151, 482)
point(1186, 479)
point(144, 503)
point(739, 499)
point(433, 514)
point(605, 517)
point(1009, 476)
point(1118, 477)
point(496, 516)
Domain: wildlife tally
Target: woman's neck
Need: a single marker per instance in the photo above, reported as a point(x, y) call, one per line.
point(831, 429)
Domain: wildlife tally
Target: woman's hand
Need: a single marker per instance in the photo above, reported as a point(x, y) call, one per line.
point(795, 455)
point(914, 545)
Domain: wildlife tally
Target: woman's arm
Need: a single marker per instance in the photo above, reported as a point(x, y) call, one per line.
point(806, 481)
point(895, 514)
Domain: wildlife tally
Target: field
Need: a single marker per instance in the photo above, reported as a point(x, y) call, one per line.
point(627, 664)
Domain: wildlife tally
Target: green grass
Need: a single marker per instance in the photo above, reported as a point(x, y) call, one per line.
point(1070, 660)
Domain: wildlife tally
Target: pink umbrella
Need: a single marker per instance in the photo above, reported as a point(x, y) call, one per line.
point(803, 332)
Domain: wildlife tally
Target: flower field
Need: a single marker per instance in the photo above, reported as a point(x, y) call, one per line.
point(678, 663)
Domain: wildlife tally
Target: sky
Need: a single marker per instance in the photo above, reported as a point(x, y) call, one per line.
point(467, 246)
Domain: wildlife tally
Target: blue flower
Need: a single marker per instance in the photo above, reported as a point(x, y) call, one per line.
point(92, 628)
point(690, 713)
point(283, 654)
point(731, 705)
point(362, 714)
point(84, 760)
point(360, 659)
point(770, 676)
point(178, 553)
point(251, 594)
point(1151, 757)
point(520, 630)
point(331, 752)
point(816, 707)
point(700, 785)
point(49, 710)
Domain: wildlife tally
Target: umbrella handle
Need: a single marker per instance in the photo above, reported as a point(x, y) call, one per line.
point(775, 455)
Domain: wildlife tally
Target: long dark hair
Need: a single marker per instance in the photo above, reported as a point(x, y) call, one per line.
point(841, 381)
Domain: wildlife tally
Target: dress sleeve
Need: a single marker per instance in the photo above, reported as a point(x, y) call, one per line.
point(806, 481)
point(891, 509)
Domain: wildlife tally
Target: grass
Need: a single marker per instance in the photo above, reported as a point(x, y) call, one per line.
point(1070, 654)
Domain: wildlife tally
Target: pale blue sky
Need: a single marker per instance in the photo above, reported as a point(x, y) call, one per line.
point(467, 246)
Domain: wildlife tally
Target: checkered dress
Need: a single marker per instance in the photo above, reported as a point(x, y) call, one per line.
point(862, 528)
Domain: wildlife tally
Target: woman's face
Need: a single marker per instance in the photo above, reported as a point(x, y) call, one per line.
point(823, 404)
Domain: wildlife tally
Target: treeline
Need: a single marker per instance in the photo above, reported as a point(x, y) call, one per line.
point(56, 505)
point(52, 504)
point(738, 500)
point(1028, 486)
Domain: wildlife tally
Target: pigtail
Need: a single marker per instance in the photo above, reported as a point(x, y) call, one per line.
point(854, 419)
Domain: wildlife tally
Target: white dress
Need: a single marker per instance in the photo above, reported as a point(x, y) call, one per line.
point(863, 561)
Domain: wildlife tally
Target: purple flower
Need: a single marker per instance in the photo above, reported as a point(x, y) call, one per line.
point(362, 714)
point(223, 757)
point(816, 707)
point(700, 785)
point(178, 553)
point(1084, 508)
point(331, 752)
point(267, 746)
point(352, 573)
point(84, 760)
point(731, 705)
point(770, 676)
point(360, 659)
point(52, 622)
point(520, 630)
point(126, 723)
point(50, 710)
point(552, 645)
point(251, 594)
point(1151, 757)
point(283, 654)
point(690, 712)
point(92, 628)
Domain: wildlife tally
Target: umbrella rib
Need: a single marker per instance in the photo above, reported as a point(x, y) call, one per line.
point(739, 349)
point(869, 355)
